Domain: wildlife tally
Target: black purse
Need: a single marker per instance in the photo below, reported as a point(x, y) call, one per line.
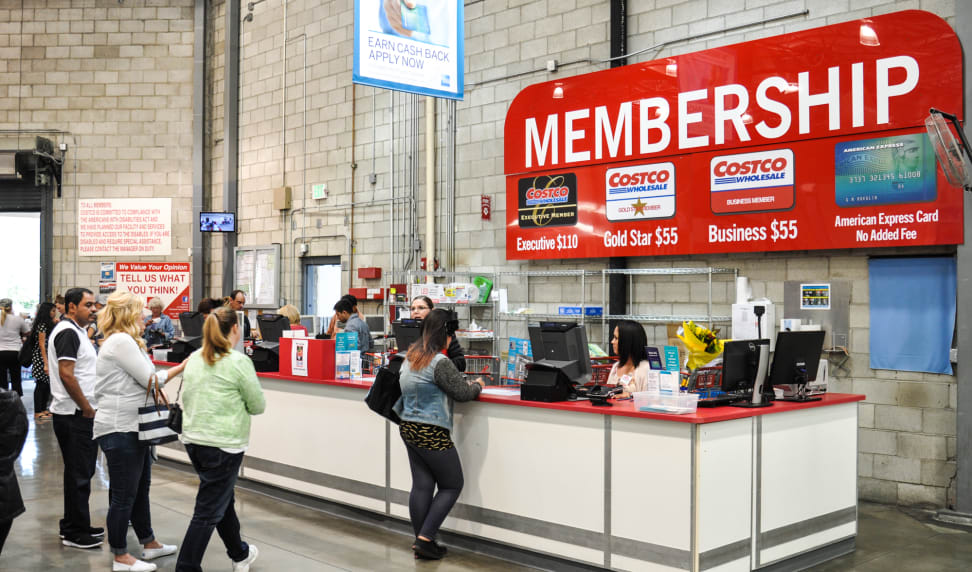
point(26, 353)
point(384, 393)
point(175, 411)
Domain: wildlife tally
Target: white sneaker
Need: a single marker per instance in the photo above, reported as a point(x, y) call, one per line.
point(244, 565)
point(153, 553)
point(138, 566)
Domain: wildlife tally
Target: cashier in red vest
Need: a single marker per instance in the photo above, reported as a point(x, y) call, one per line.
point(419, 309)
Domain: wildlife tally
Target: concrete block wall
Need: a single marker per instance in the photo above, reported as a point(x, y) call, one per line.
point(117, 80)
point(907, 438)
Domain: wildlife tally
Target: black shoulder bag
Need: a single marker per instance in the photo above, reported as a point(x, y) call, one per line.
point(384, 394)
point(175, 411)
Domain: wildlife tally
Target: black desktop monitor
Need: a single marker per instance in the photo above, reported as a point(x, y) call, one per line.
point(796, 359)
point(272, 326)
point(192, 324)
point(561, 342)
point(407, 330)
point(740, 362)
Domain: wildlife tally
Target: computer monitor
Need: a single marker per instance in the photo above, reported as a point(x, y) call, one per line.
point(217, 222)
point(272, 326)
point(407, 330)
point(795, 362)
point(376, 324)
point(740, 363)
point(562, 342)
point(191, 323)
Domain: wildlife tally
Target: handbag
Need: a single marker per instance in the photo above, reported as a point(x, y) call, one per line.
point(153, 418)
point(175, 412)
point(26, 353)
point(384, 394)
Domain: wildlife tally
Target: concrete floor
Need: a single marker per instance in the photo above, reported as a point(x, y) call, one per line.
point(296, 538)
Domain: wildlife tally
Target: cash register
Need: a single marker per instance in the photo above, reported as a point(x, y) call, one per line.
point(562, 361)
point(266, 352)
point(191, 338)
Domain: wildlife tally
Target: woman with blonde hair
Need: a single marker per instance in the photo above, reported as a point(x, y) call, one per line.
point(124, 374)
point(220, 392)
point(293, 315)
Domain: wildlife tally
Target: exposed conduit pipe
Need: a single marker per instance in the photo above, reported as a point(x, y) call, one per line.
point(430, 185)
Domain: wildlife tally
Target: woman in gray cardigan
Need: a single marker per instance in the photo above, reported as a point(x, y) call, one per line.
point(124, 372)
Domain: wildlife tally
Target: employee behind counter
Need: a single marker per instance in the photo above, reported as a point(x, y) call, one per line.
point(419, 309)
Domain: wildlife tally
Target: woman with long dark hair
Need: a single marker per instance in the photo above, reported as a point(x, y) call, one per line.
point(631, 370)
point(419, 309)
point(220, 392)
point(430, 383)
point(42, 326)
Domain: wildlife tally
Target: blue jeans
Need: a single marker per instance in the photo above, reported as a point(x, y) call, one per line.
point(217, 472)
point(130, 474)
point(80, 452)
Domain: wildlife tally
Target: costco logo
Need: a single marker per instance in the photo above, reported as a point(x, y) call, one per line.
point(640, 192)
point(752, 182)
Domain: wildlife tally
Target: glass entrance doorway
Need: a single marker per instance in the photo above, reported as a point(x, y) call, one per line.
point(21, 280)
point(322, 289)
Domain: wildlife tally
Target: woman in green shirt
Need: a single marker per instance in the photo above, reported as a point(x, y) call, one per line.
point(220, 392)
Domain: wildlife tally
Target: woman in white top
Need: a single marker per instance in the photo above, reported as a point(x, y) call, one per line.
point(12, 332)
point(631, 370)
point(124, 371)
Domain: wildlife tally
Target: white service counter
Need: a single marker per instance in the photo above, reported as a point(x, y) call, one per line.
point(725, 489)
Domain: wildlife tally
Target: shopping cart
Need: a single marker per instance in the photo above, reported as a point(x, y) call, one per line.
point(600, 373)
point(370, 362)
point(486, 367)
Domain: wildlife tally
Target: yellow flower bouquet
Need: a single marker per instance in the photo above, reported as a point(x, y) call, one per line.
point(702, 343)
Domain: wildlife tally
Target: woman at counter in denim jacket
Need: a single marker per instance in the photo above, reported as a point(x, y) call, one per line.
point(631, 370)
point(430, 384)
point(419, 309)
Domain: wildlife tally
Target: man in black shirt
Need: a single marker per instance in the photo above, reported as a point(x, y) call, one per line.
point(237, 302)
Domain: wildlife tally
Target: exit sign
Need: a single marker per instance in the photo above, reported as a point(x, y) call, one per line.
point(319, 191)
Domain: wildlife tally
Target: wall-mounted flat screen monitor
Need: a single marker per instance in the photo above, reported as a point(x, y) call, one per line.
point(217, 222)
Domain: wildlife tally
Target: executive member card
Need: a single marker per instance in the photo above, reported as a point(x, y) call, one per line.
point(884, 171)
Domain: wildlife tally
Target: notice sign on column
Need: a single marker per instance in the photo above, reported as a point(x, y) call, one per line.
point(113, 227)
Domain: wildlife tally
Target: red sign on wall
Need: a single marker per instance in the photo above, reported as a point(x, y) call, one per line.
point(810, 140)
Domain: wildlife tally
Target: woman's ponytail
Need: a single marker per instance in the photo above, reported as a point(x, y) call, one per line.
point(216, 330)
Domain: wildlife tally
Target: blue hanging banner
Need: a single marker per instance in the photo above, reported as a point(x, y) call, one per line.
point(410, 45)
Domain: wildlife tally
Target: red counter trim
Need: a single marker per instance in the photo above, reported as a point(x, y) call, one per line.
point(621, 408)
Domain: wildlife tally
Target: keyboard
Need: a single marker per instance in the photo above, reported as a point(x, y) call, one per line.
point(719, 400)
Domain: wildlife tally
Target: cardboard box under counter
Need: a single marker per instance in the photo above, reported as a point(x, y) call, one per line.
point(320, 358)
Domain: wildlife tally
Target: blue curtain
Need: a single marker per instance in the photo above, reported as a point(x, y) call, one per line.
point(912, 313)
